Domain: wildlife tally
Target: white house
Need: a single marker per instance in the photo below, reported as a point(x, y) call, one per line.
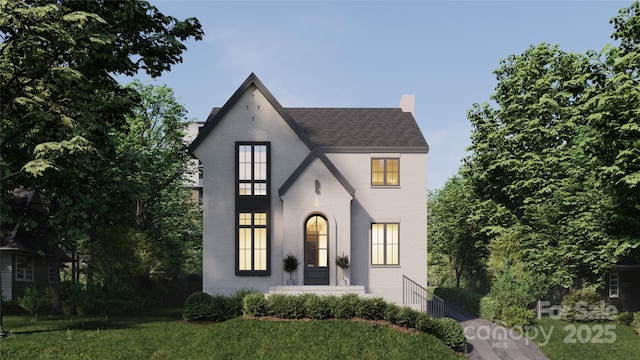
point(316, 183)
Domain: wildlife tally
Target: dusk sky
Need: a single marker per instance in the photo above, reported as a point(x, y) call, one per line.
point(370, 53)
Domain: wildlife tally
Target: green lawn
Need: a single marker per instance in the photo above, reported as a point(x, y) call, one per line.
point(163, 336)
point(587, 341)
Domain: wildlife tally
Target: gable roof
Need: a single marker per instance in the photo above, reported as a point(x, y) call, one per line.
point(316, 153)
point(217, 114)
point(334, 128)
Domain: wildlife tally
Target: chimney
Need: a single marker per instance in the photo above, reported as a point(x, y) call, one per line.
point(408, 104)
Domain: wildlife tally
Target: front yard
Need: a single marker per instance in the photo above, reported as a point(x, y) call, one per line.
point(164, 336)
point(590, 340)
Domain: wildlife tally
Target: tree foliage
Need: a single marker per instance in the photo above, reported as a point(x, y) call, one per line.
point(554, 165)
point(62, 109)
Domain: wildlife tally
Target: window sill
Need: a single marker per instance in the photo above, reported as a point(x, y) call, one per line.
point(386, 187)
point(385, 266)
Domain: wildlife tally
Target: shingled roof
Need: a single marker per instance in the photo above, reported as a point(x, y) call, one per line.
point(334, 128)
point(359, 127)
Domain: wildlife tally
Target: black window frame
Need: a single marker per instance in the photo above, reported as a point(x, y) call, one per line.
point(253, 204)
point(384, 244)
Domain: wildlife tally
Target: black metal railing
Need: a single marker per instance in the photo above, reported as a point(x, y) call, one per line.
point(413, 294)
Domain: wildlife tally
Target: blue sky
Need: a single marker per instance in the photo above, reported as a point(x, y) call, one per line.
point(368, 54)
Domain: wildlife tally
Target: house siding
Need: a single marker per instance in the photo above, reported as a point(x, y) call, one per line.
point(629, 290)
point(404, 204)
point(251, 119)
point(6, 275)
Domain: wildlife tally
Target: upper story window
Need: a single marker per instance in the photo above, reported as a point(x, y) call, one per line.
point(385, 172)
point(253, 169)
point(24, 268)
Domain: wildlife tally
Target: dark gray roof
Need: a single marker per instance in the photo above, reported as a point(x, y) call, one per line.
point(359, 127)
point(334, 128)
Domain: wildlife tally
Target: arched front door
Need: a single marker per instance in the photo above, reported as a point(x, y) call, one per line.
point(316, 251)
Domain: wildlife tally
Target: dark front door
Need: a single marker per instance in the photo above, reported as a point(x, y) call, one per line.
point(316, 251)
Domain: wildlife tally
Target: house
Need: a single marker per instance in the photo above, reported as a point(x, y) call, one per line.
point(25, 246)
point(316, 183)
point(623, 286)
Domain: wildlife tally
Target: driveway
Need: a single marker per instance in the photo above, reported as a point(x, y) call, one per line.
point(486, 340)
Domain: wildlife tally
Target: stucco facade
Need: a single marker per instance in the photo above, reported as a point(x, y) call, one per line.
point(308, 178)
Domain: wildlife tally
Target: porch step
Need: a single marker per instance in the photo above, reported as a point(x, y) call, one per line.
point(318, 289)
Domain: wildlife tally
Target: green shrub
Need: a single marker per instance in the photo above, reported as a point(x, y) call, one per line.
point(286, 306)
point(317, 307)
point(427, 324)
point(371, 308)
point(345, 306)
point(197, 306)
point(625, 318)
point(34, 300)
point(222, 308)
point(582, 305)
point(255, 304)
point(407, 317)
point(636, 322)
point(464, 298)
point(489, 308)
point(236, 302)
point(515, 316)
point(391, 313)
point(452, 334)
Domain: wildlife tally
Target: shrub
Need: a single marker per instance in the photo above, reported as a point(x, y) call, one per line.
point(197, 306)
point(317, 307)
point(427, 324)
point(255, 304)
point(464, 298)
point(236, 302)
point(452, 334)
point(582, 305)
point(407, 317)
point(391, 313)
point(625, 318)
point(516, 316)
point(489, 308)
point(636, 322)
point(371, 308)
point(345, 307)
point(221, 308)
point(34, 300)
point(286, 306)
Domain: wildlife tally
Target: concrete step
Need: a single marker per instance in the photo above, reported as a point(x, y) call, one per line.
point(318, 289)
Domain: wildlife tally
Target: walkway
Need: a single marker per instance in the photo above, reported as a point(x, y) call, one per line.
point(488, 341)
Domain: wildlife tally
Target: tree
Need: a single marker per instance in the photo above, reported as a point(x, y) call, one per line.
point(451, 233)
point(60, 105)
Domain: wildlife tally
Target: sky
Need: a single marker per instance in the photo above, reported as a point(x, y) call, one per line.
point(370, 53)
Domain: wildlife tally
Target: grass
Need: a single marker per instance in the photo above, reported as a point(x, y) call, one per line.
point(163, 336)
point(587, 340)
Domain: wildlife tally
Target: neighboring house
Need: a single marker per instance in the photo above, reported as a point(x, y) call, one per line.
point(25, 246)
point(316, 183)
point(623, 287)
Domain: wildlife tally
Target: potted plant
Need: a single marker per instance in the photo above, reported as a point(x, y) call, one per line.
point(342, 261)
point(290, 264)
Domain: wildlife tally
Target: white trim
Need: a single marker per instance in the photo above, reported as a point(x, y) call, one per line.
point(614, 284)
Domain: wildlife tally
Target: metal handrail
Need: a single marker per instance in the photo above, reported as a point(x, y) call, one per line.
point(426, 301)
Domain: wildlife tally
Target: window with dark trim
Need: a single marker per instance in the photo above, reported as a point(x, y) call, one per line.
point(252, 242)
point(385, 172)
point(253, 169)
point(614, 285)
point(385, 244)
point(24, 268)
point(252, 208)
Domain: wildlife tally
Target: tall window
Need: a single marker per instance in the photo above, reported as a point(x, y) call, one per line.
point(253, 169)
point(385, 172)
point(613, 284)
point(252, 242)
point(385, 244)
point(24, 268)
